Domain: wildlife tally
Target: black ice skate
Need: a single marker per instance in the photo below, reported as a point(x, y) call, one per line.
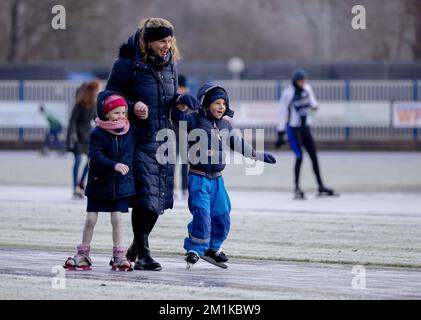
point(191, 258)
point(299, 194)
point(326, 192)
point(217, 258)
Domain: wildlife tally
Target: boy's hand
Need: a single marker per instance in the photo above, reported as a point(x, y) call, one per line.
point(189, 101)
point(182, 107)
point(265, 157)
point(141, 110)
point(122, 168)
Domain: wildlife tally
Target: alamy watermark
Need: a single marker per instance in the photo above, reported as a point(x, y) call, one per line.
point(358, 22)
point(58, 22)
point(58, 282)
point(198, 147)
point(359, 279)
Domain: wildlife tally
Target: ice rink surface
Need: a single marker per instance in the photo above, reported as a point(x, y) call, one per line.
point(279, 248)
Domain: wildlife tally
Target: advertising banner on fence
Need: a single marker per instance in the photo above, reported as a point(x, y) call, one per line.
point(407, 114)
point(330, 113)
point(26, 114)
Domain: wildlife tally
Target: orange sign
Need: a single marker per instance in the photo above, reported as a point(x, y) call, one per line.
point(407, 114)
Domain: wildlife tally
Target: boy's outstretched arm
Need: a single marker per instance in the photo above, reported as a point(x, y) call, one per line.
point(239, 145)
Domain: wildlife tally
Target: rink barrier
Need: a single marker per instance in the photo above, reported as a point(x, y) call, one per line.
point(239, 90)
point(348, 90)
point(356, 133)
point(243, 90)
point(322, 133)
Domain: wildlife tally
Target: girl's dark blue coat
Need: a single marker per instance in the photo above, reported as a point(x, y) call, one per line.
point(105, 151)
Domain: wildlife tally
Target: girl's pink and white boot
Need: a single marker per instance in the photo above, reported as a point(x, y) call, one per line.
point(119, 261)
point(81, 260)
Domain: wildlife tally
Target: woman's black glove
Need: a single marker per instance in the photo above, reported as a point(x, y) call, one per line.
point(280, 141)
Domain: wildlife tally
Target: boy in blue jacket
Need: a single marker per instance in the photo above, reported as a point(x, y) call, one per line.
point(110, 179)
point(208, 199)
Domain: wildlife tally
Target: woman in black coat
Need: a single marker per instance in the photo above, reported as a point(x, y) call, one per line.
point(79, 128)
point(145, 73)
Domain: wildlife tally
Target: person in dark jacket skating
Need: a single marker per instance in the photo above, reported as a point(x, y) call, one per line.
point(296, 102)
point(79, 128)
point(110, 178)
point(208, 200)
point(146, 74)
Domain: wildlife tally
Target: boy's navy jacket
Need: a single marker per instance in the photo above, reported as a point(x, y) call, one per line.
point(203, 119)
point(105, 151)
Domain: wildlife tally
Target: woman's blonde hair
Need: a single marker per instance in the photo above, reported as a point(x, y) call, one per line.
point(154, 23)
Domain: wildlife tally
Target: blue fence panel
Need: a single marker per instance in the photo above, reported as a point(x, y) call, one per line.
point(9, 90)
point(371, 90)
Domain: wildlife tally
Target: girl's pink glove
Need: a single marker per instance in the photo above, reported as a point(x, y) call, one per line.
point(122, 168)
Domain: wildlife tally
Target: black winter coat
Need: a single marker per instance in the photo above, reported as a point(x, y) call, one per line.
point(79, 129)
point(137, 80)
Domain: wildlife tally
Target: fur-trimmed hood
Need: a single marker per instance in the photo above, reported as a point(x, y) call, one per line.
point(131, 49)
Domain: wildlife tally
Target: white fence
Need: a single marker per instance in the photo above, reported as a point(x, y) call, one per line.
point(325, 90)
point(245, 91)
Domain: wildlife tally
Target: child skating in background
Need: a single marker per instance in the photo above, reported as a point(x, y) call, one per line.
point(208, 200)
point(110, 179)
point(54, 130)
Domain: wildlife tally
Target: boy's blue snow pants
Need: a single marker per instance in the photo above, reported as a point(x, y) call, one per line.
point(210, 206)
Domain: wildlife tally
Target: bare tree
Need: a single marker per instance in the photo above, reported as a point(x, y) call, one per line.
point(413, 10)
point(304, 31)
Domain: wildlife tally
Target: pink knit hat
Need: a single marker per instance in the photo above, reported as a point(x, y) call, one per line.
point(112, 102)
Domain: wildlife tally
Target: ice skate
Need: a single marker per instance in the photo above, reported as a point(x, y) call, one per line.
point(299, 194)
point(326, 192)
point(217, 258)
point(191, 258)
point(119, 262)
point(80, 261)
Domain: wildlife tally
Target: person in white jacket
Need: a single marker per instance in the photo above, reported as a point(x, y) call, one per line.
point(296, 102)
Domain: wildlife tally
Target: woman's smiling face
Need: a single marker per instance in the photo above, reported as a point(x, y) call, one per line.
point(162, 46)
